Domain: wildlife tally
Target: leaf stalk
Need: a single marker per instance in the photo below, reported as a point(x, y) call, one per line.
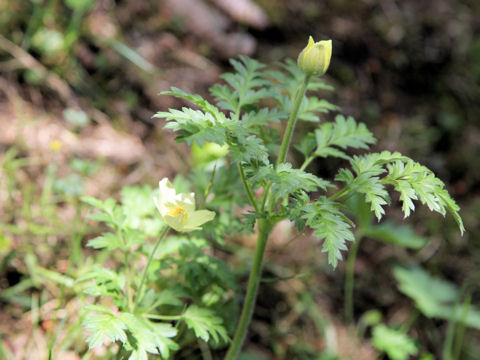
point(139, 295)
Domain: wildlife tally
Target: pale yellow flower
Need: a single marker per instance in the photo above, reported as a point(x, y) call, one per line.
point(315, 58)
point(178, 210)
point(56, 145)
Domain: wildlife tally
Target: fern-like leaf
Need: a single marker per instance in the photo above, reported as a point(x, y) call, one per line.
point(211, 125)
point(104, 326)
point(205, 324)
point(331, 225)
point(416, 182)
point(368, 185)
point(332, 138)
point(412, 180)
point(148, 337)
point(247, 85)
point(287, 180)
point(312, 105)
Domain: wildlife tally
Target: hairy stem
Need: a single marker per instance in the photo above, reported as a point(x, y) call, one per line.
point(264, 228)
point(162, 317)
point(341, 193)
point(128, 271)
point(139, 294)
point(307, 162)
point(129, 281)
point(287, 137)
point(350, 279)
point(248, 188)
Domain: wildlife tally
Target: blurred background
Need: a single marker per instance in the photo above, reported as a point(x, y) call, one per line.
point(78, 87)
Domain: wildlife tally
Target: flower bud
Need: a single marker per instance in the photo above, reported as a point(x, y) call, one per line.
point(315, 58)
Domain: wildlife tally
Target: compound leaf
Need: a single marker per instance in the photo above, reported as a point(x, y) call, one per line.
point(104, 326)
point(329, 223)
point(205, 324)
point(394, 342)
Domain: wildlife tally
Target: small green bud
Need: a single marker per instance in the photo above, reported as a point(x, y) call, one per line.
point(315, 58)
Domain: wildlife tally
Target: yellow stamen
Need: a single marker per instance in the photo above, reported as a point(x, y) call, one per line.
point(177, 210)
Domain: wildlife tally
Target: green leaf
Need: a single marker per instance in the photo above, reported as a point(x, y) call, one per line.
point(169, 297)
point(312, 105)
point(107, 283)
point(212, 126)
point(5, 244)
point(137, 201)
point(395, 343)
point(200, 270)
point(133, 237)
point(196, 99)
point(205, 324)
point(138, 354)
point(148, 337)
point(286, 84)
point(80, 5)
point(373, 163)
point(104, 326)
point(110, 213)
point(342, 133)
point(307, 144)
point(108, 241)
point(106, 205)
point(262, 117)
point(360, 209)
point(84, 166)
point(195, 126)
point(434, 297)
point(225, 97)
point(330, 224)
point(415, 181)
point(412, 180)
point(287, 180)
point(247, 149)
point(247, 85)
point(390, 233)
point(370, 186)
point(451, 207)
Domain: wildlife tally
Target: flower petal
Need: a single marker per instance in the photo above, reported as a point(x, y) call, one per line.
point(166, 196)
point(175, 222)
point(197, 218)
point(187, 201)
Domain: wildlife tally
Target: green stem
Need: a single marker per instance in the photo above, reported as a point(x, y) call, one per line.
point(405, 328)
point(307, 162)
point(266, 192)
point(287, 137)
point(350, 279)
point(248, 189)
point(128, 270)
point(264, 228)
point(341, 193)
point(447, 352)
point(129, 281)
point(461, 328)
point(163, 317)
point(209, 186)
point(206, 354)
point(139, 294)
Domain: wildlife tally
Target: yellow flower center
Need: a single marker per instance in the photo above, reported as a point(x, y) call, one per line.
point(176, 210)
